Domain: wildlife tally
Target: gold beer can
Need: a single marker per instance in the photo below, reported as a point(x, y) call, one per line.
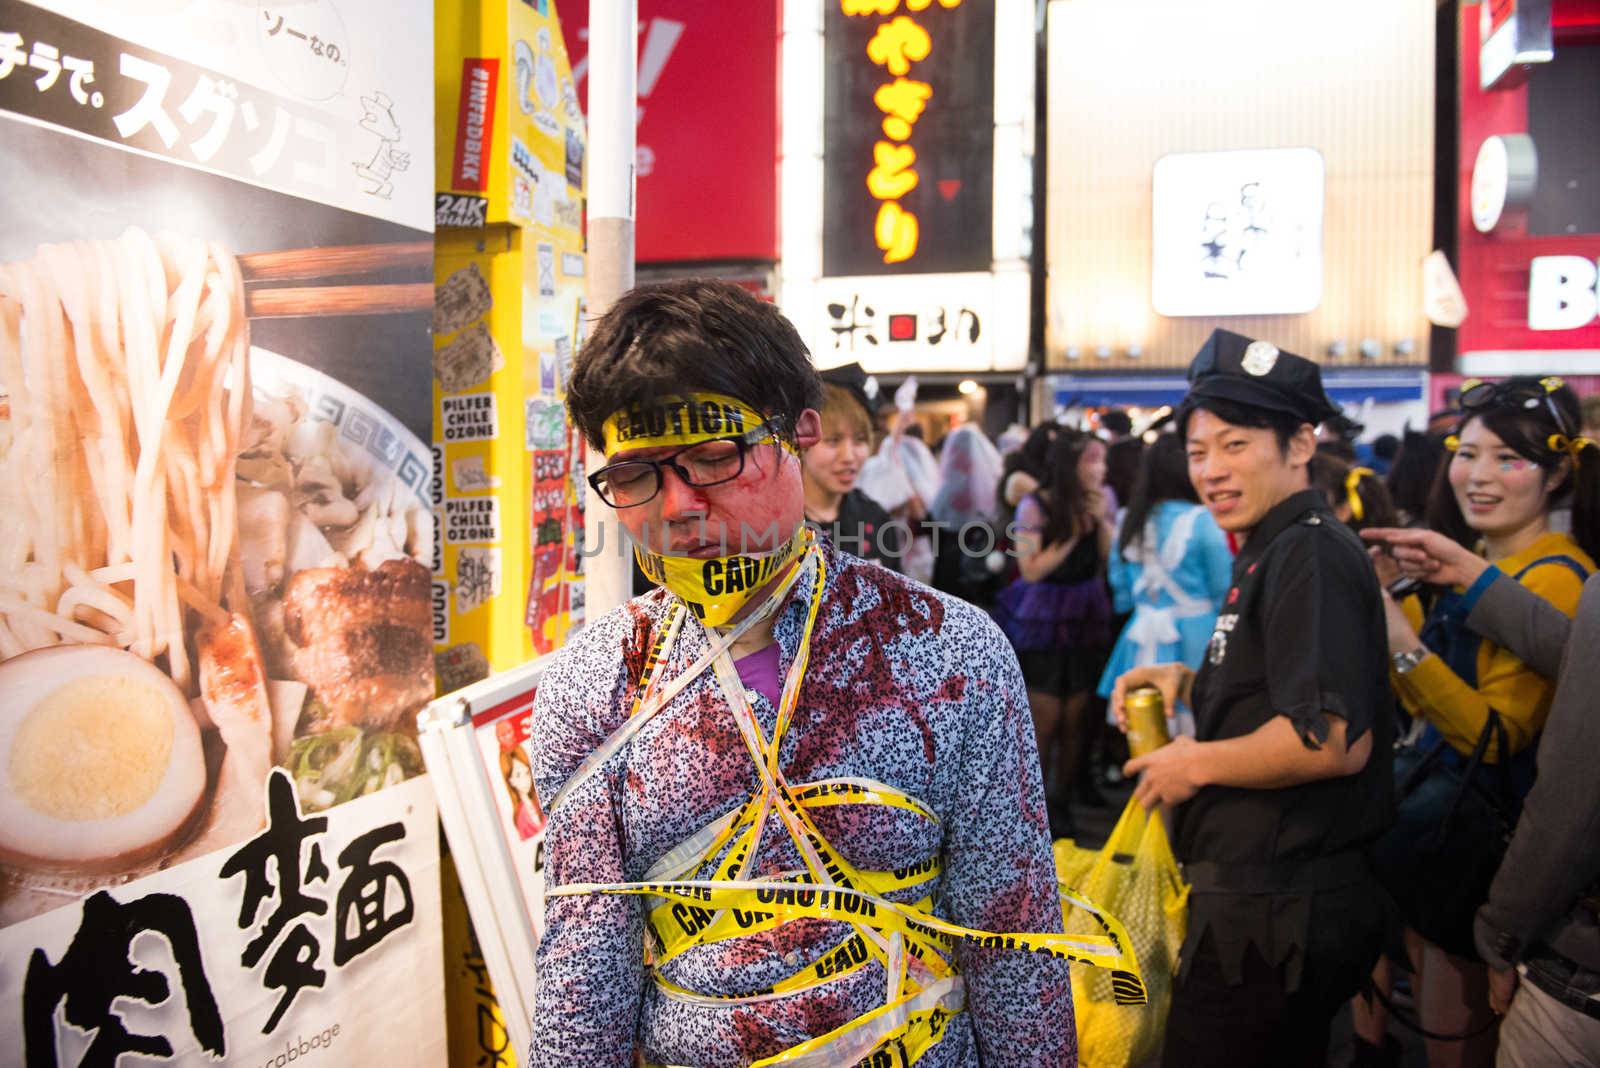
point(1147, 720)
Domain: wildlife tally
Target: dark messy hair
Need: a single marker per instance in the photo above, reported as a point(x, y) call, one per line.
point(1163, 476)
point(691, 335)
point(1526, 432)
point(1410, 478)
point(1033, 458)
point(1063, 496)
point(1331, 476)
point(1116, 421)
point(1283, 425)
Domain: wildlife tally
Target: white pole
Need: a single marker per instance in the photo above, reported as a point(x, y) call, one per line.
point(613, 97)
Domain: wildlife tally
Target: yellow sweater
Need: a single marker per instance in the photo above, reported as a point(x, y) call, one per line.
point(1507, 685)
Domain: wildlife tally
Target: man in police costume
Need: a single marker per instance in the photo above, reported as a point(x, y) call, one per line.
point(1289, 776)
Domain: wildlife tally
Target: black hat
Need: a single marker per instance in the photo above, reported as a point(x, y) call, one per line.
point(853, 378)
point(1258, 374)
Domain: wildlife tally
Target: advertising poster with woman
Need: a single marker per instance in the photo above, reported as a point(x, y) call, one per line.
point(521, 817)
point(216, 533)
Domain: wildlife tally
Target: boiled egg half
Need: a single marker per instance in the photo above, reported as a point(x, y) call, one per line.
point(101, 764)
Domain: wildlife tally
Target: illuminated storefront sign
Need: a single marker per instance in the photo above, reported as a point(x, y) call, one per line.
point(909, 123)
point(920, 151)
point(1527, 223)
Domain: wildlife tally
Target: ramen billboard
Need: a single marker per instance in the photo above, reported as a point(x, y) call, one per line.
point(216, 534)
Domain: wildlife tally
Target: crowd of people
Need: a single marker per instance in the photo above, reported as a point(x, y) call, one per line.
point(1376, 660)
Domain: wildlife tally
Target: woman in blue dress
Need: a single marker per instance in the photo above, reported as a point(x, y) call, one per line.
point(1171, 568)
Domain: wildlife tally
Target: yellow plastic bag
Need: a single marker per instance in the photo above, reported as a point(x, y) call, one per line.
point(1135, 878)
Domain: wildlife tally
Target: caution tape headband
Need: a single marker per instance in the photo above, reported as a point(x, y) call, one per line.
point(682, 420)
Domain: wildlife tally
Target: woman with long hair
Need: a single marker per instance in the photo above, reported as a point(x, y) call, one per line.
point(518, 776)
point(1355, 494)
point(1516, 454)
point(1057, 612)
point(1171, 569)
point(1027, 468)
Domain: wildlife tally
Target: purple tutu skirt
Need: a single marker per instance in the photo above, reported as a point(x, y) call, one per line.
point(1042, 617)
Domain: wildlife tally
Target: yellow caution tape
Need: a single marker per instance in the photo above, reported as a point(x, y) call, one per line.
point(683, 420)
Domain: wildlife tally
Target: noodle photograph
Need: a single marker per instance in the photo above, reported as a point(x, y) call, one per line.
point(216, 557)
point(218, 570)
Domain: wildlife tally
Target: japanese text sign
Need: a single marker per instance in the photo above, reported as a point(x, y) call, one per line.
point(909, 134)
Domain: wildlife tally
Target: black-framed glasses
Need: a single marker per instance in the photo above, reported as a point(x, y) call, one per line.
point(629, 483)
point(1477, 394)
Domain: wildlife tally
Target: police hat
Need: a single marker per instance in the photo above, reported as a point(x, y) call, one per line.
point(1232, 367)
point(853, 378)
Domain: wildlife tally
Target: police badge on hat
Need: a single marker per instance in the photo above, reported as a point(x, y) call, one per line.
point(1260, 357)
point(1258, 374)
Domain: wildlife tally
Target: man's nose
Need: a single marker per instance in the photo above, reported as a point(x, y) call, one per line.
point(679, 500)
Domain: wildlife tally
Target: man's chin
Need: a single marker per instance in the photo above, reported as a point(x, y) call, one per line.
point(1235, 519)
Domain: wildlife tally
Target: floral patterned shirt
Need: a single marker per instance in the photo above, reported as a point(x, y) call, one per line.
point(905, 686)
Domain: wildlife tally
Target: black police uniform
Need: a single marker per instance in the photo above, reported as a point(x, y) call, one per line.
point(1285, 920)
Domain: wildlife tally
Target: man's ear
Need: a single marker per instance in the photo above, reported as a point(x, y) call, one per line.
point(808, 429)
point(1302, 445)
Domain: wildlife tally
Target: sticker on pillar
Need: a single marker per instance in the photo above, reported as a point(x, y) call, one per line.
point(477, 578)
point(468, 361)
point(460, 665)
point(470, 417)
point(463, 297)
point(472, 519)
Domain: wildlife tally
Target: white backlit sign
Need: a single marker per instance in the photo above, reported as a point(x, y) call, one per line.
point(1237, 233)
point(1562, 292)
point(930, 322)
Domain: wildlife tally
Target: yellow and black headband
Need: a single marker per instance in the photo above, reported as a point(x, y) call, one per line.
point(681, 420)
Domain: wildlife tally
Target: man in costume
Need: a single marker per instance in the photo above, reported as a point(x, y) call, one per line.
point(1288, 777)
point(789, 792)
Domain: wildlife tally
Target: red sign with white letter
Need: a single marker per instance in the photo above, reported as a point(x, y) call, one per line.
point(1524, 292)
point(708, 127)
point(475, 124)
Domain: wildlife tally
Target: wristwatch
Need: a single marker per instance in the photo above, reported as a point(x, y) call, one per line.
point(1404, 662)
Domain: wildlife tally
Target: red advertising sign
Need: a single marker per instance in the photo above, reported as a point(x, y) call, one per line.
point(708, 127)
point(1530, 286)
point(475, 124)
